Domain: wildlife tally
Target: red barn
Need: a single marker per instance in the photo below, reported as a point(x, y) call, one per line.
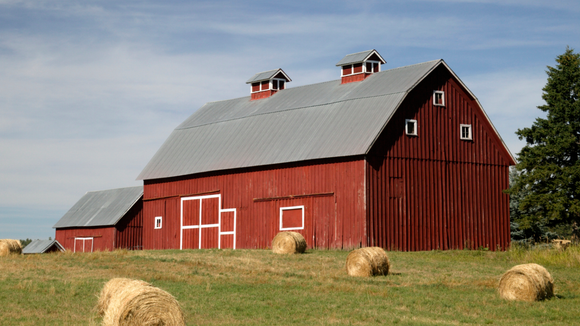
point(403, 159)
point(103, 220)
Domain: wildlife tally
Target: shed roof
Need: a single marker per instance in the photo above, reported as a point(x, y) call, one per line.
point(358, 57)
point(41, 246)
point(309, 122)
point(101, 208)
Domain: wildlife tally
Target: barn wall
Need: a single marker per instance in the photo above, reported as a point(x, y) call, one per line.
point(331, 191)
point(103, 237)
point(129, 234)
point(433, 190)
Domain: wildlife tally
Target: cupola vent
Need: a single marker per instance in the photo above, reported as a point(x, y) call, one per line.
point(358, 66)
point(267, 83)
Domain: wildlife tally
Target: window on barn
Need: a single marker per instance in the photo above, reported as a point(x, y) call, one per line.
point(292, 218)
point(438, 98)
point(158, 222)
point(411, 127)
point(278, 84)
point(465, 132)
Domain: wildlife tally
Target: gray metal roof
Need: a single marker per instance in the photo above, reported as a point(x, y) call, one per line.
point(316, 121)
point(101, 208)
point(41, 246)
point(267, 75)
point(358, 57)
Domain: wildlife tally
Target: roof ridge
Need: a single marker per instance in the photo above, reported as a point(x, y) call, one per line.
point(113, 189)
point(291, 109)
point(323, 82)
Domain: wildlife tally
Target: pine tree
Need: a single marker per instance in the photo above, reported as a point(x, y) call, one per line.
point(547, 184)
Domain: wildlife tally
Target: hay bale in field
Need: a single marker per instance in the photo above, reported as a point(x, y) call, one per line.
point(139, 303)
point(561, 244)
point(112, 286)
point(9, 246)
point(527, 282)
point(368, 261)
point(288, 243)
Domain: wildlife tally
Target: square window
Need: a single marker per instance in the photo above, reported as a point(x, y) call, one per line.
point(438, 98)
point(465, 132)
point(292, 218)
point(411, 127)
point(158, 222)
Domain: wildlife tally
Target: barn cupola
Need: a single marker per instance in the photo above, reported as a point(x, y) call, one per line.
point(358, 66)
point(267, 83)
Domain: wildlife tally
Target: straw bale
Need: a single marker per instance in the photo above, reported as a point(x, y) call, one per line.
point(9, 246)
point(288, 243)
point(110, 288)
point(368, 261)
point(527, 282)
point(137, 303)
point(561, 244)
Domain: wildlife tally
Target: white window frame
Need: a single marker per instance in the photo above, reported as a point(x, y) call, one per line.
point(278, 82)
point(442, 98)
point(373, 62)
point(291, 208)
point(414, 122)
point(160, 219)
point(461, 126)
point(84, 239)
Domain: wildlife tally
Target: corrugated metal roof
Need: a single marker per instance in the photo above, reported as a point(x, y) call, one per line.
point(267, 75)
point(41, 246)
point(101, 208)
point(357, 57)
point(303, 123)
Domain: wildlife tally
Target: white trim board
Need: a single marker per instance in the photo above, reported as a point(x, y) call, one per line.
point(200, 226)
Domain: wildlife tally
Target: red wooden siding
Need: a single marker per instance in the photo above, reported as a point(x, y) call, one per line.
point(332, 193)
point(435, 191)
point(129, 230)
point(262, 94)
point(353, 78)
point(102, 237)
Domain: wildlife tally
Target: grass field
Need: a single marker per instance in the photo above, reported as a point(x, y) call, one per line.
point(257, 287)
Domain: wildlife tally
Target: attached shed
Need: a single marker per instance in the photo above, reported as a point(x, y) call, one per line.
point(42, 247)
point(103, 220)
point(404, 159)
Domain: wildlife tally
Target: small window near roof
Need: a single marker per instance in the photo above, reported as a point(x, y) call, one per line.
point(411, 127)
point(158, 222)
point(438, 98)
point(465, 132)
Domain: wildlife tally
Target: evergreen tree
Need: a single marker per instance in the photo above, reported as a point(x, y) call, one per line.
point(547, 184)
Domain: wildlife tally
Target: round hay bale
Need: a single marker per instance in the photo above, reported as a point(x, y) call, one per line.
point(368, 261)
point(112, 286)
point(561, 244)
point(288, 243)
point(137, 303)
point(527, 282)
point(9, 246)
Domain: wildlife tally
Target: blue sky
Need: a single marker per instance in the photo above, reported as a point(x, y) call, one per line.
point(89, 90)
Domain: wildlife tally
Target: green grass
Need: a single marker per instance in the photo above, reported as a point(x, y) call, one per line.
point(257, 287)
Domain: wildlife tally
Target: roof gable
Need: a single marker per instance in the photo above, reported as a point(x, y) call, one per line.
point(360, 57)
point(267, 75)
point(101, 208)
